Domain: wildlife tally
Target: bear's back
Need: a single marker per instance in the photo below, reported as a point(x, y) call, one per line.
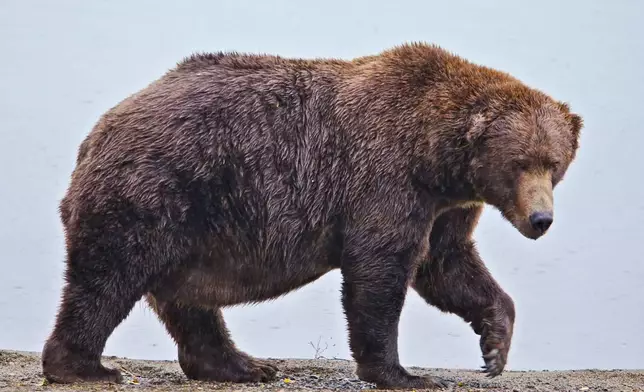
point(218, 119)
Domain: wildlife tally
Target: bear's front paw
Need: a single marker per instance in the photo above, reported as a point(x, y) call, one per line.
point(495, 345)
point(495, 361)
point(496, 337)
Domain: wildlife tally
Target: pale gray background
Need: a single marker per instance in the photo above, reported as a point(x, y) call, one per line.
point(579, 291)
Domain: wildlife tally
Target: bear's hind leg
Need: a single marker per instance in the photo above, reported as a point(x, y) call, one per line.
point(85, 320)
point(206, 351)
point(112, 261)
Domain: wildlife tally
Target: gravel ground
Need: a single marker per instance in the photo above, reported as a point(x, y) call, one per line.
point(20, 371)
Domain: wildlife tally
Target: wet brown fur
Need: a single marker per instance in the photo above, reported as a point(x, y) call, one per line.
point(237, 178)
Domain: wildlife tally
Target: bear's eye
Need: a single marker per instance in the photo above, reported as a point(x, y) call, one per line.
point(521, 165)
point(552, 164)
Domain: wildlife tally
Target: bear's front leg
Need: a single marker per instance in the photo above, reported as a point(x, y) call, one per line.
point(376, 269)
point(455, 280)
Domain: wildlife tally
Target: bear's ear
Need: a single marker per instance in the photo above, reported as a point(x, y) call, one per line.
point(577, 123)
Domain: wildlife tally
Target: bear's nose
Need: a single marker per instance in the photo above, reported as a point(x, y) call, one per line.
point(541, 221)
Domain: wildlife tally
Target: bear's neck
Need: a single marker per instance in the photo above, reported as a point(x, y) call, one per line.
point(443, 169)
point(421, 134)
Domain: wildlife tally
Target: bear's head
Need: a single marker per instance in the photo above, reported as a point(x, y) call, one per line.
point(523, 146)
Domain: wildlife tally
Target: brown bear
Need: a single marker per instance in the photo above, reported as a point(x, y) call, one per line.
point(237, 178)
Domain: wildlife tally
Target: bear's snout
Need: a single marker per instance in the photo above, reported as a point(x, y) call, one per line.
point(532, 211)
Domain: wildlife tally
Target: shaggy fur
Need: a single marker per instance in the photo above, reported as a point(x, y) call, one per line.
point(237, 178)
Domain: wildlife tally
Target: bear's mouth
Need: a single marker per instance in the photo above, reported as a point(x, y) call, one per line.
point(530, 232)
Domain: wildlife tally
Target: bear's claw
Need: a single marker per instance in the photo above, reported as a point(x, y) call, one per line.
point(494, 363)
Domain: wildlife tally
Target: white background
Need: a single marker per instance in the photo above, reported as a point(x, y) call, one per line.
point(579, 291)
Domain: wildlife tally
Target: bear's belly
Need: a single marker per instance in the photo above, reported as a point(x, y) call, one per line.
point(243, 272)
point(212, 287)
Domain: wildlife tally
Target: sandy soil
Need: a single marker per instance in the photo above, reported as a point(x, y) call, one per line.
point(20, 371)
